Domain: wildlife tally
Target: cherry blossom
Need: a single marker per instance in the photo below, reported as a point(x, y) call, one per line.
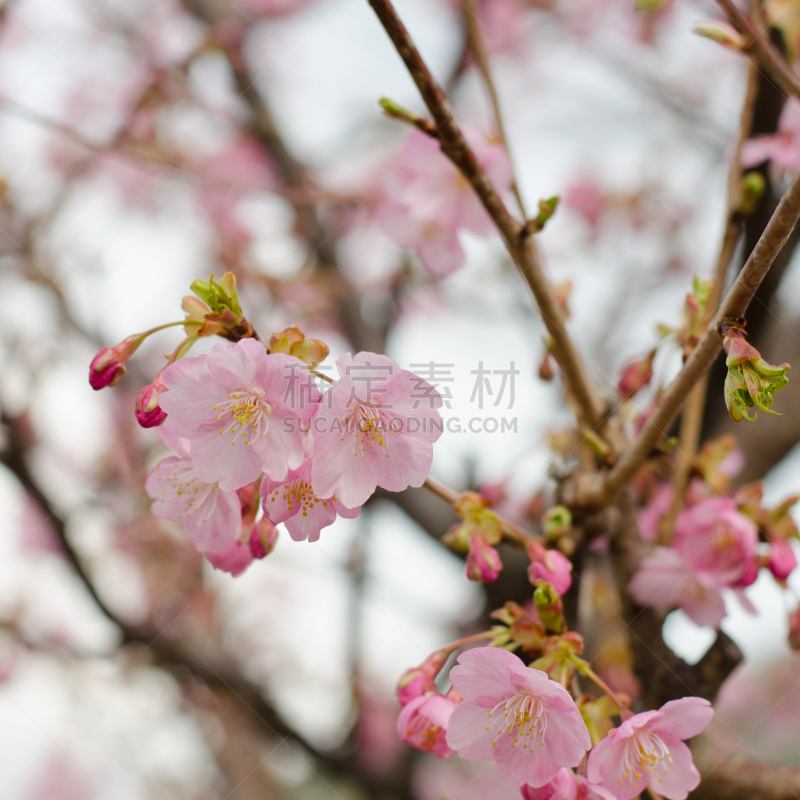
point(212, 517)
point(516, 716)
point(782, 147)
point(713, 549)
point(378, 429)
point(293, 502)
point(647, 751)
point(562, 787)
point(242, 551)
point(590, 791)
point(429, 200)
point(423, 723)
point(246, 411)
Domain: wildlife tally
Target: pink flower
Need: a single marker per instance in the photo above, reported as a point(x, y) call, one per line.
point(714, 549)
point(149, 413)
point(423, 724)
point(429, 200)
point(650, 516)
point(647, 751)
point(590, 791)
point(246, 411)
point(418, 681)
point(665, 580)
point(562, 787)
point(782, 559)
point(717, 540)
point(239, 555)
point(379, 430)
point(212, 517)
point(108, 366)
point(515, 716)
point(483, 561)
point(783, 147)
point(551, 566)
point(293, 501)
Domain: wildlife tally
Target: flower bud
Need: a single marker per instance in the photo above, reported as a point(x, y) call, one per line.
point(108, 366)
point(560, 658)
point(263, 538)
point(636, 375)
point(483, 561)
point(219, 295)
point(750, 381)
point(549, 607)
point(418, 681)
point(782, 559)
point(556, 522)
point(292, 342)
point(149, 413)
point(722, 32)
point(549, 566)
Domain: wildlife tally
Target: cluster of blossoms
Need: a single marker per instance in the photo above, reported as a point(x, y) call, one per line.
point(428, 201)
point(720, 542)
point(246, 421)
point(501, 710)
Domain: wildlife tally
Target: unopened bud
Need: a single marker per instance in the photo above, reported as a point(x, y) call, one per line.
point(108, 366)
point(636, 375)
point(549, 607)
point(549, 566)
point(753, 186)
point(722, 32)
point(418, 681)
point(292, 342)
point(556, 522)
point(149, 413)
point(219, 295)
point(750, 381)
point(483, 561)
point(782, 560)
point(396, 111)
point(263, 538)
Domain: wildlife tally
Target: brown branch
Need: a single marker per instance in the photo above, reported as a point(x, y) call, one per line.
point(521, 247)
point(764, 50)
point(693, 412)
point(594, 490)
point(172, 654)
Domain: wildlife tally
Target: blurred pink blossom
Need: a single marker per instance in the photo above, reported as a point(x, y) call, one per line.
point(782, 147)
point(551, 566)
point(428, 200)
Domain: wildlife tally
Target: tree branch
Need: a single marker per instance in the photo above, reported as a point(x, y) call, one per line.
point(593, 490)
point(520, 246)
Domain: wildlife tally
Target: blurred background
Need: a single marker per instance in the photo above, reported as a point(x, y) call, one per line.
point(146, 143)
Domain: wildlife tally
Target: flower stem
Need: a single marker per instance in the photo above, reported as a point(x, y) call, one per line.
point(624, 711)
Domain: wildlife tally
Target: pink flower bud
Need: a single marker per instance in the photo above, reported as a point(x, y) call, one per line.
point(149, 413)
point(108, 366)
point(263, 539)
point(782, 559)
point(418, 681)
point(636, 376)
point(483, 561)
point(549, 566)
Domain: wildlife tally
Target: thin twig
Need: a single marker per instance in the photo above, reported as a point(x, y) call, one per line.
point(482, 59)
point(764, 50)
point(596, 490)
point(521, 247)
point(692, 415)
